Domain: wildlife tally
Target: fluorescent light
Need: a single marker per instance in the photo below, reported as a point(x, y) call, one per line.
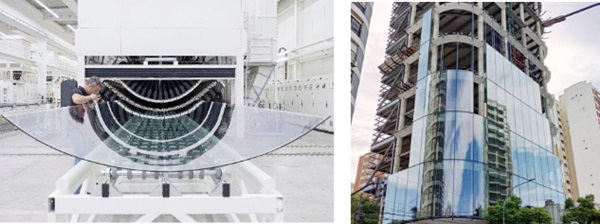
point(46, 7)
point(70, 27)
point(6, 36)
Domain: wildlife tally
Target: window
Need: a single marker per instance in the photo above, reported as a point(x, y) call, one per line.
point(356, 25)
point(354, 49)
point(361, 5)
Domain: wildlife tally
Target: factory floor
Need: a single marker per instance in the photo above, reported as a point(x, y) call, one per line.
point(303, 172)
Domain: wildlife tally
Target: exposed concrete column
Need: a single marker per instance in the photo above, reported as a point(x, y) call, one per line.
point(523, 35)
point(505, 28)
point(397, 150)
point(409, 38)
point(402, 119)
point(40, 58)
point(413, 14)
point(481, 60)
point(538, 24)
point(406, 73)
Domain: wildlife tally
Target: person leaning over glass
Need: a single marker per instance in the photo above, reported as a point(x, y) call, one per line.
point(84, 96)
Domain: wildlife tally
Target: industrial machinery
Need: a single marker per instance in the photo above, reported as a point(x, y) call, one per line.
point(172, 132)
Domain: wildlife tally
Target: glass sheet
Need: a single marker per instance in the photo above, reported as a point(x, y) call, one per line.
point(208, 135)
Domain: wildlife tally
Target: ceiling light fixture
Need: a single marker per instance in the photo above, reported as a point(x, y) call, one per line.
point(46, 7)
point(6, 36)
point(71, 27)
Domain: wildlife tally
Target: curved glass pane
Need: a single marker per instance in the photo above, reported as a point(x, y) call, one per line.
point(206, 135)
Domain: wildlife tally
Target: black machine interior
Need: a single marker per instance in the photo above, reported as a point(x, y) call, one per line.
point(161, 122)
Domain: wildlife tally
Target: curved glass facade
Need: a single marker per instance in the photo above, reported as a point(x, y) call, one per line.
point(465, 156)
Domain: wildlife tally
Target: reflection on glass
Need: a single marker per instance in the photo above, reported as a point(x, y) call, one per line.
point(417, 143)
point(424, 51)
point(478, 143)
point(463, 161)
point(206, 136)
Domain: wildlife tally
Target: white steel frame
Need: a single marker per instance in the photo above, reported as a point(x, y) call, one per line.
point(257, 199)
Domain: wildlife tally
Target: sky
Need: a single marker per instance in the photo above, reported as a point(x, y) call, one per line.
point(573, 48)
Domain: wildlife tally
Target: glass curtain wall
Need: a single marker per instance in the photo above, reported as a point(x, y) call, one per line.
point(463, 160)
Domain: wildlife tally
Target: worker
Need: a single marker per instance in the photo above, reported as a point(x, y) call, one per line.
point(83, 99)
point(88, 93)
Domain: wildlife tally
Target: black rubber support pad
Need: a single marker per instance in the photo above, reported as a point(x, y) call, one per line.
point(160, 72)
point(166, 190)
point(105, 191)
point(226, 191)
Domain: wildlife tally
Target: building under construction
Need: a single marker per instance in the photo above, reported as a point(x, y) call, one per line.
point(462, 117)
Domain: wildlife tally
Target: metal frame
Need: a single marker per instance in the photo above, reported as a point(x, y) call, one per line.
point(252, 195)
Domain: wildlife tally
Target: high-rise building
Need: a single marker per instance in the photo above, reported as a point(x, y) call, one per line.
point(359, 18)
point(463, 113)
point(580, 119)
point(563, 150)
point(365, 170)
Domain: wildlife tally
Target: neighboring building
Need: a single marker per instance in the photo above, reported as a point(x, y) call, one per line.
point(359, 18)
point(463, 111)
point(580, 119)
point(365, 169)
point(303, 80)
point(562, 150)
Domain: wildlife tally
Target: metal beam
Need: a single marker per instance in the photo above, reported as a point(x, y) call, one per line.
point(72, 5)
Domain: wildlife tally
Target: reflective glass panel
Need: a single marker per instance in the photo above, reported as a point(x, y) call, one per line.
point(451, 90)
point(478, 143)
point(463, 188)
point(500, 77)
point(448, 186)
point(389, 212)
point(413, 189)
point(479, 186)
point(425, 45)
point(416, 144)
point(464, 136)
point(527, 131)
point(490, 63)
point(510, 112)
point(464, 90)
point(421, 99)
point(519, 117)
point(450, 132)
point(516, 83)
point(208, 135)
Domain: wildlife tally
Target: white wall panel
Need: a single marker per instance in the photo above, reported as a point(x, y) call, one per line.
point(98, 41)
point(180, 41)
point(316, 21)
point(100, 13)
point(160, 13)
point(286, 28)
point(221, 14)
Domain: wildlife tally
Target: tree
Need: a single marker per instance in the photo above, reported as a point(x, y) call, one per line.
point(514, 213)
point(584, 213)
point(369, 210)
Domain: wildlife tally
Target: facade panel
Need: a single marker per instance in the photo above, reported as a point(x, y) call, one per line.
point(468, 161)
